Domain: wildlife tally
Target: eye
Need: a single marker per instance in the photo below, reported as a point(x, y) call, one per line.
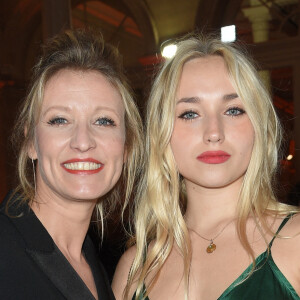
point(105, 122)
point(57, 121)
point(189, 115)
point(234, 111)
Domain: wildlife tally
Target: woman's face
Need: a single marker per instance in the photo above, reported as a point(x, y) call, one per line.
point(80, 136)
point(213, 137)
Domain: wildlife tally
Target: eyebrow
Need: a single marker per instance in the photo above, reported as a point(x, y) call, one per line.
point(226, 97)
point(189, 100)
point(230, 96)
point(68, 109)
point(57, 107)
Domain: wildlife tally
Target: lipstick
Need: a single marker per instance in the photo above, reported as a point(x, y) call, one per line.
point(214, 157)
point(84, 166)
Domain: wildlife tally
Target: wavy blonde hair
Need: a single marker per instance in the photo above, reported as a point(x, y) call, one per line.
point(161, 205)
point(81, 50)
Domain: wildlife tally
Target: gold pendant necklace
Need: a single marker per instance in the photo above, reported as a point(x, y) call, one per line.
point(212, 246)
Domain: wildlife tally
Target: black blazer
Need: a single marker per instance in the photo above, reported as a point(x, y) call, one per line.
point(32, 267)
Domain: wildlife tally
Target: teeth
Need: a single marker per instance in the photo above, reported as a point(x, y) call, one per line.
point(86, 166)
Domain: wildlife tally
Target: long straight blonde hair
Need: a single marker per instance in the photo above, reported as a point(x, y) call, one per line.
point(161, 205)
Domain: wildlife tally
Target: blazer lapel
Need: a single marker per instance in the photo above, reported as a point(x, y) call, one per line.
point(102, 283)
point(61, 273)
point(43, 251)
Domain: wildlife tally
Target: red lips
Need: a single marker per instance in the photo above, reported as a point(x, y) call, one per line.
point(214, 157)
point(85, 166)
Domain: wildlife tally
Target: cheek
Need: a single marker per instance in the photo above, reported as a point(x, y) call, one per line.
point(40, 144)
point(176, 146)
point(114, 153)
point(179, 149)
point(47, 144)
point(183, 139)
point(118, 149)
point(241, 132)
point(245, 138)
point(114, 147)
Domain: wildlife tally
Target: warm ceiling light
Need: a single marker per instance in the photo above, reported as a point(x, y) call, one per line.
point(169, 51)
point(289, 157)
point(228, 34)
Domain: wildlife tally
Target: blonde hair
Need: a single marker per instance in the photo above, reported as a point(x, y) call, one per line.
point(81, 50)
point(160, 209)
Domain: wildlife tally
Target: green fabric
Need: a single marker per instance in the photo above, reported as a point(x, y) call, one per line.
point(266, 283)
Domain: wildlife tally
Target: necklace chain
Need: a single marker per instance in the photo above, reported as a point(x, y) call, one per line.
point(211, 247)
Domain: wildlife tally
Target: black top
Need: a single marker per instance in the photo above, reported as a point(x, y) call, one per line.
point(32, 266)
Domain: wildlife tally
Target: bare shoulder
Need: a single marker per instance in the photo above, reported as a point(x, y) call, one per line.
point(121, 274)
point(291, 229)
point(285, 251)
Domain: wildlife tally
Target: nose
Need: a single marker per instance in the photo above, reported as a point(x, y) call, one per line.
point(82, 138)
point(214, 130)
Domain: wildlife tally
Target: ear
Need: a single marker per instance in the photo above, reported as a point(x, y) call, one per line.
point(31, 151)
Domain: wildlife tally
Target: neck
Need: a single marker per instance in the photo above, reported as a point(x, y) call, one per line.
point(67, 222)
point(208, 208)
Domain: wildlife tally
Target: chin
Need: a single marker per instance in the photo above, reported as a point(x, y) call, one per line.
point(212, 183)
point(85, 189)
point(215, 184)
point(83, 195)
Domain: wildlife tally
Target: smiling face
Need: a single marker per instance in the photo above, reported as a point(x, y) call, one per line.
point(80, 136)
point(213, 137)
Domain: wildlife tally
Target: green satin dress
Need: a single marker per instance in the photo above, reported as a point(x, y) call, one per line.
point(266, 283)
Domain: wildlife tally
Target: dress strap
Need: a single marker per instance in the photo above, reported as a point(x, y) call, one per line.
point(285, 220)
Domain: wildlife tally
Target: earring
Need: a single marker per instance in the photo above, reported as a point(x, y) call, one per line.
point(33, 169)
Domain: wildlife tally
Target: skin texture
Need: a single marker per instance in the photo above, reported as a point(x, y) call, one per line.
point(82, 117)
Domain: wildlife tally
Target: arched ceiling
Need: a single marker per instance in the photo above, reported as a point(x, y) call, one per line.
point(173, 18)
point(214, 14)
point(137, 27)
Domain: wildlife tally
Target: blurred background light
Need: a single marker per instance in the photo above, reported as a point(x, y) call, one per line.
point(228, 34)
point(169, 51)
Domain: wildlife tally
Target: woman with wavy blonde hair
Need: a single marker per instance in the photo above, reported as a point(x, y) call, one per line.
point(207, 222)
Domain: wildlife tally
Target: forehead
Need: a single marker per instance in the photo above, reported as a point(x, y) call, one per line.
point(206, 64)
point(206, 74)
point(67, 87)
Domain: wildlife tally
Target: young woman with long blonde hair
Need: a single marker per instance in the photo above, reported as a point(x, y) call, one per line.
point(208, 224)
